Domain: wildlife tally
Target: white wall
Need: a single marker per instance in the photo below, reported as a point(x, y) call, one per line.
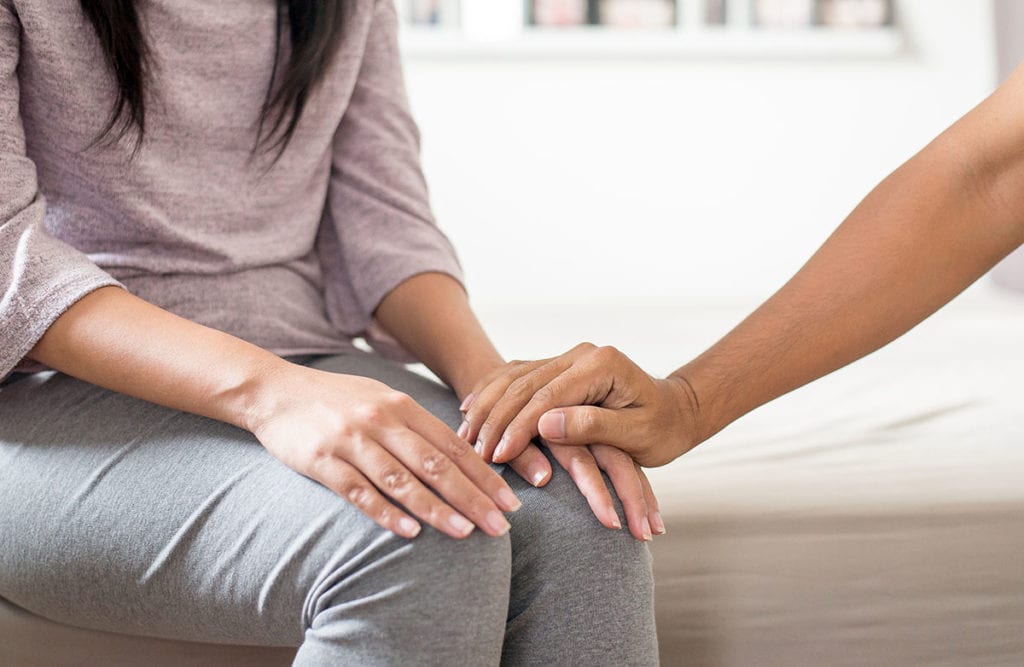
point(680, 179)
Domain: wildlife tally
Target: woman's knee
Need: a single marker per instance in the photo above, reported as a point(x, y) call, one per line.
point(400, 600)
point(577, 587)
point(556, 525)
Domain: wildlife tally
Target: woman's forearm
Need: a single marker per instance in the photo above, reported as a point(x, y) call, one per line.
point(118, 341)
point(921, 237)
point(430, 316)
point(354, 435)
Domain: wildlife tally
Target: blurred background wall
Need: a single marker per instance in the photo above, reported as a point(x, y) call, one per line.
point(624, 172)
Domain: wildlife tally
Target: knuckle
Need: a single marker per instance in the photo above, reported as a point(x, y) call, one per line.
point(577, 458)
point(490, 425)
point(399, 400)
point(545, 394)
point(357, 494)
point(585, 347)
point(374, 414)
point(436, 465)
point(587, 421)
point(458, 447)
point(617, 464)
point(520, 387)
point(606, 354)
point(320, 452)
point(435, 513)
point(395, 480)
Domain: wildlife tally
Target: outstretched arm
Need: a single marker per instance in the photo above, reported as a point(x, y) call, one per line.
point(918, 239)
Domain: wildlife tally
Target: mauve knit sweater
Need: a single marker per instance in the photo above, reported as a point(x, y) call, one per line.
point(293, 256)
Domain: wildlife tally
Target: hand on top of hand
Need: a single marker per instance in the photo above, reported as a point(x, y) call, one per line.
point(593, 396)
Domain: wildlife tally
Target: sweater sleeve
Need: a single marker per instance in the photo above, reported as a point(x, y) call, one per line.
point(378, 229)
point(40, 276)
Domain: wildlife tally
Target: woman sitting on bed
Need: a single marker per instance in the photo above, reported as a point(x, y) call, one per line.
point(249, 172)
point(927, 232)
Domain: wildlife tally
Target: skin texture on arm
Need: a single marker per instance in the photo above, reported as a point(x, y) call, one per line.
point(917, 240)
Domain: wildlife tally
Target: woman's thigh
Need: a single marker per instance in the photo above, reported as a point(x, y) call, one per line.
point(122, 515)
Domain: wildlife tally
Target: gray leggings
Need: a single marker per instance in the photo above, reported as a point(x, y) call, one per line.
point(120, 515)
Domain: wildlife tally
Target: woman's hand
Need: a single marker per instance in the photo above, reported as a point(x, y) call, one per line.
point(587, 395)
point(373, 445)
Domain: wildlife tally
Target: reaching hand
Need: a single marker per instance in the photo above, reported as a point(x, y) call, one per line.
point(587, 395)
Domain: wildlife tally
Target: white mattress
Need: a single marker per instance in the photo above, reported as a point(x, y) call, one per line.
point(874, 518)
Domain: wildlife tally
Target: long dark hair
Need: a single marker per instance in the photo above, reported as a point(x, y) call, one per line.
point(314, 28)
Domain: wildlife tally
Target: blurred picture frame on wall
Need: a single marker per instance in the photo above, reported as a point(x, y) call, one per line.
point(803, 13)
point(637, 13)
point(784, 13)
point(560, 13)
point(854, 13)
point(714, 12)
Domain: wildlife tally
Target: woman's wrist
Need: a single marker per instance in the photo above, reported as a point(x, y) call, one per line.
point(465, 376)
point(255, 400)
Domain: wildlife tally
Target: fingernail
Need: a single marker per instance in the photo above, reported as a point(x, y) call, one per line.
point(408, 527)
point(468, 401)
point(659, 523)
point(497, 523)
point(508, 500)
point(647, 532)
point(479, 448)
point(499, 451)
point(460, 524)
point(552, 424)
point(463, 430)
point(538, 476)
point(616, 523)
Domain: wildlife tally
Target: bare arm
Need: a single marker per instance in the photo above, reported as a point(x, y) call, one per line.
point(430, 316)
point(117, 341)
point(918, 239)
point(356, 436)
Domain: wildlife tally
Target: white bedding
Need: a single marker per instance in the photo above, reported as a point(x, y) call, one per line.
point(874, 518)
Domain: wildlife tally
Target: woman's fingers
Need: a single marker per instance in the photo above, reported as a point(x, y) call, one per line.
point(532, 466)
point(628, 487)
point(448, 449)
point(345, 480)
point(583, 469)
point(413, 463)
point(653, 507)
point(484, 397)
